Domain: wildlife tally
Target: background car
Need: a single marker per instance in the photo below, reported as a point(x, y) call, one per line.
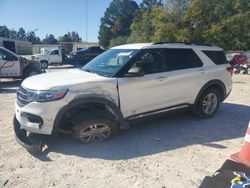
point(85, 55)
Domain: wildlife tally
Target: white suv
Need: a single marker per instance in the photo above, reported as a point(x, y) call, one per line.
point(123, 83)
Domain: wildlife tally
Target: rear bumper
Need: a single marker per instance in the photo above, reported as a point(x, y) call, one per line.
point(227, 95)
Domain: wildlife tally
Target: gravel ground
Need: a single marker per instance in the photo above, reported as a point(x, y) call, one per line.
point(175, 150)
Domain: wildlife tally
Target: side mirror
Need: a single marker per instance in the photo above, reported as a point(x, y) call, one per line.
point(135, 72)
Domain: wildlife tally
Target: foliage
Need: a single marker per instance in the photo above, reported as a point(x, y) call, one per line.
point(222, 23)
point(31, 37)
point(4, 31)
point(49, 39)
point(118, 41)
point(116, 21)
point(70, 37)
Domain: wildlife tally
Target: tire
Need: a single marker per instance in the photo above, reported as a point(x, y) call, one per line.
point(95, 125)
point(44, 64)
point(208, 103)
point(31, 72)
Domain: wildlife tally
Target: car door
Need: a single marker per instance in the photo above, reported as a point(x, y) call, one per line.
point(9, 64)
point(149, 92)
point(55, 56)
point(186, 75)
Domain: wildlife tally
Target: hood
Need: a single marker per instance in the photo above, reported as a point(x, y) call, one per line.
point(65, 78)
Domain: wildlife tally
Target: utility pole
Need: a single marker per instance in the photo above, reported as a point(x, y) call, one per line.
point(86, 21)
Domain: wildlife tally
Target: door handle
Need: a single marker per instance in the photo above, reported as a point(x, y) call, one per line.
point(202, 70)
point(161, 78)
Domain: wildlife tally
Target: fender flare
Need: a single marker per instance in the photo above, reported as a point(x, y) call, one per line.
point(85, 100)
point(210, 83)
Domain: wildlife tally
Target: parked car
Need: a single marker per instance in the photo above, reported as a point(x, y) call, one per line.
point(50, 57)
point(15, 66)
point(121, 84)
point(85, 55)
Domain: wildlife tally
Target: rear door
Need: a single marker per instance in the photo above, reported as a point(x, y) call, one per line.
point(9, 64)
point(185, 75)
point(146, 93)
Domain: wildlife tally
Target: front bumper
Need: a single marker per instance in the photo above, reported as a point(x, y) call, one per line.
point(32, 144)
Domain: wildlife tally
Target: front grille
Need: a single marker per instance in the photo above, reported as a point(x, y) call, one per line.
point(22, 97)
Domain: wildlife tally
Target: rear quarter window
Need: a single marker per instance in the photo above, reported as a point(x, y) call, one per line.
point(178, 59)
point(218, 57)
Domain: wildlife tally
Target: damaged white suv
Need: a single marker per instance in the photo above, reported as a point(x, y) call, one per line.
point(123, 83)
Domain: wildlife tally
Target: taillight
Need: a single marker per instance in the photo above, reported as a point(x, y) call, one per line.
point(230, 70)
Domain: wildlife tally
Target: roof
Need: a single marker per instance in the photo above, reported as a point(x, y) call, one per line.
point(165, 45)
point(133, 46)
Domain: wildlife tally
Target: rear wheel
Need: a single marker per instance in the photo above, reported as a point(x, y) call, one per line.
point(99, 125)
point(44, 64)
point(208, 103)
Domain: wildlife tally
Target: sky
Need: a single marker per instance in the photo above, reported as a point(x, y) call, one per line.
point(54, 16)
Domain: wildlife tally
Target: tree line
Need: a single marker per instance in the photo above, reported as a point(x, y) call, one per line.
point(30, 36)
point(222, 23)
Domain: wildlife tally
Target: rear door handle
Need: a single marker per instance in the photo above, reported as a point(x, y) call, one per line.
point(202, 70)
point(161, 78)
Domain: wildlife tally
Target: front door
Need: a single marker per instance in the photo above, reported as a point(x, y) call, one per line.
point(149, 92)
point(9, 64)
point(55, 57)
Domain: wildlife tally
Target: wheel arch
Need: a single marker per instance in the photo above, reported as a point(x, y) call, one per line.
point(84, 102)
point(31, 66)
point(212, 83)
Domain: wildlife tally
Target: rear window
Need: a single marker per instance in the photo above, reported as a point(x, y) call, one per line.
point(218, 57)
point(178, 59)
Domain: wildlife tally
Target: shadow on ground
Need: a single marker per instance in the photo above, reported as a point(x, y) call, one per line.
point(9, 86)
point(162, 133)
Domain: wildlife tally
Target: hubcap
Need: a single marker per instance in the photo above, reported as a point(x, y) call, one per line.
point(44, 65)
point(209, 103)
point(95, 132)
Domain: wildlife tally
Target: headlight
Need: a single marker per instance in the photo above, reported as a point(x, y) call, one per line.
point(48, 95)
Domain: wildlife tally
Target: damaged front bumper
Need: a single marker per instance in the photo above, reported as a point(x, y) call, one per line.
point(32, 142)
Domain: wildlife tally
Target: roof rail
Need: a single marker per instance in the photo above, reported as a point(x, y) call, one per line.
point(186, 43)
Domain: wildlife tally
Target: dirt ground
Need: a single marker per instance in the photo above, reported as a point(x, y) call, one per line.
point(175, 150)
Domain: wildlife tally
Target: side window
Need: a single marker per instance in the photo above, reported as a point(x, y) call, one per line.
point(152, 61)
point(4, 55)
point(218, 57)
point(55, 52)
point(182, 59)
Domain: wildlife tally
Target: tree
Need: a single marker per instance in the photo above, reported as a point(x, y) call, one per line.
point(49, 39)
point(142, 27)
point(118, 41)
point(117, 20)
point(219, 22)
point(75, 37)
point(21, 34)
point(31, 37)
point(13, 34)
point(4, 31)
point(148, 4)
point(65, 38)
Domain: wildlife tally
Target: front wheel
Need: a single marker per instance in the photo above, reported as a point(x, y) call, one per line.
point(31, 72)
point(208, 103)
point(95, 126)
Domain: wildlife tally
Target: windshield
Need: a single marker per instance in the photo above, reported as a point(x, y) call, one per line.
point(48, 51)
point(110, 62)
